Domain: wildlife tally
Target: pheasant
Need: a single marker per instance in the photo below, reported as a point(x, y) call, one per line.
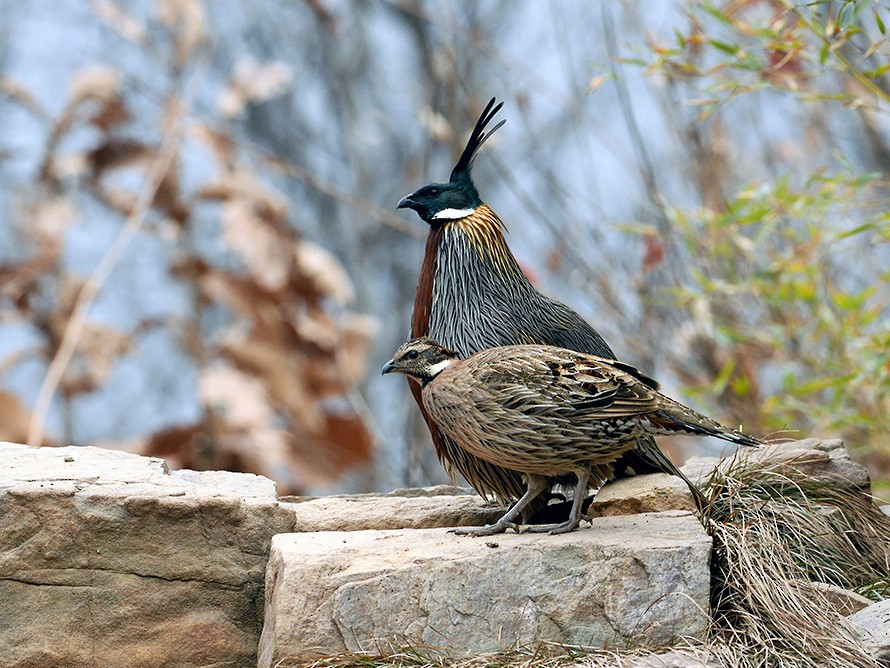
point(472, 295)
point(545, 412)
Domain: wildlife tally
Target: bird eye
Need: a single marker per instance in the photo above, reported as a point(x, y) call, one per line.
point(412, 355)
point(434, 192)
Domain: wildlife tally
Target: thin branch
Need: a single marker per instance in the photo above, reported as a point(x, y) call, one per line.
point(134, 222)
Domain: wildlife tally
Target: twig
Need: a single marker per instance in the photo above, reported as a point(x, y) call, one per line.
point(90, 289)
point(646, 168)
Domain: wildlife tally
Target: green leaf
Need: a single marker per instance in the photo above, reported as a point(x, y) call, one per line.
point(846, 16)
point(857, 230)
point(880, 21)
point(722, 379)
point(850, 12)
point(731, 49)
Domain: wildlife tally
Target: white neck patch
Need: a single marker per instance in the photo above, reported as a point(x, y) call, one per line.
point(453, 214)
point(439, 367)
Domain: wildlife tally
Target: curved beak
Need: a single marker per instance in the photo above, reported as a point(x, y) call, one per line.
point(407, 203)
point(389, 367)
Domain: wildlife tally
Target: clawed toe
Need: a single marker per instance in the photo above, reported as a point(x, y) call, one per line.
point(565, 527)
point(562, 527)
point(487, 530)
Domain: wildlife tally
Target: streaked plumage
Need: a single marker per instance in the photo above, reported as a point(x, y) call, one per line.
point(472, 295)
point(545, 412)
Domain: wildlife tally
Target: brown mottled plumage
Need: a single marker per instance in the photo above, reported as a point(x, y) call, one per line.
point(545, 412)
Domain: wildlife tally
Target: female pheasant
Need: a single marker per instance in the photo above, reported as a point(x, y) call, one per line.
point(545, 412)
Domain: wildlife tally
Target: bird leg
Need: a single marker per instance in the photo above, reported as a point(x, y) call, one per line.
point(535, 485)
point(574, 516)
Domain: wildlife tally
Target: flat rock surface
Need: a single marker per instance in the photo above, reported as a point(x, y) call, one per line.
point(110, 559)
point(649, 493)
point(873, 624)
point(422, 508)
point(642, 578)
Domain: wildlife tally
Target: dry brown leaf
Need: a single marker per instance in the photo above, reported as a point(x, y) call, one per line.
point(317, 327)
point(283, 371)
point(243, 185)
point(343, 444)
point(15, 419)
point(99, 82)
point(221, 144)
point(98, 349)
point(181, 447)
point(117, 153)
point(253, 82)
point(247, 425)
point(50, 218)
point(324, 377)
point(265, 251)
point(353, 442)
point(70, 166)
point(240, 294)
point(103, 346)
point(264, 450)
point(112, 113)
point(231, 102)
point(19, 280)
point(66, 297)
point(187, 20)
point(22, 95)
point(324, 272)
point(121, 200)
point(240, 398)
point(171, 440)
point(120, 21)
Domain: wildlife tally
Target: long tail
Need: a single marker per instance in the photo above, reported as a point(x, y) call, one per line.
point(675, 418)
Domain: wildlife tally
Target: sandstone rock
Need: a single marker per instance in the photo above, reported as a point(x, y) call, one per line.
point(110, 559)
point(700, 469)
point(403, 509)
point(625, 579)
point(823, 459)
point(649, 493)
point(844, 601)
point(873, 624)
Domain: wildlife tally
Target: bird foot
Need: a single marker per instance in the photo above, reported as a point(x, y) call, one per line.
point(552, 529)
point(487, 530)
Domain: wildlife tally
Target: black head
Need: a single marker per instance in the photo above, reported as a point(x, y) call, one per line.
point(421, 359)
point(458, 198)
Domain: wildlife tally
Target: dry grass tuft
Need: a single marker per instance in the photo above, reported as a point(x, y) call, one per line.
point(776, 529)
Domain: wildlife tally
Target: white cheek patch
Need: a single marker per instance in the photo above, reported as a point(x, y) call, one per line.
point(437, 368)
point(453, 214)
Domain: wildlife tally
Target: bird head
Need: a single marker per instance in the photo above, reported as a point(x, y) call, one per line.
point(441, 202)
point(421, 359)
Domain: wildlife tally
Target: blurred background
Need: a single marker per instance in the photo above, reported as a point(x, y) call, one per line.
point(200, 256)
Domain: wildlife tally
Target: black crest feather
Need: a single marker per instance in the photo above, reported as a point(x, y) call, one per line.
point(461, 171)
